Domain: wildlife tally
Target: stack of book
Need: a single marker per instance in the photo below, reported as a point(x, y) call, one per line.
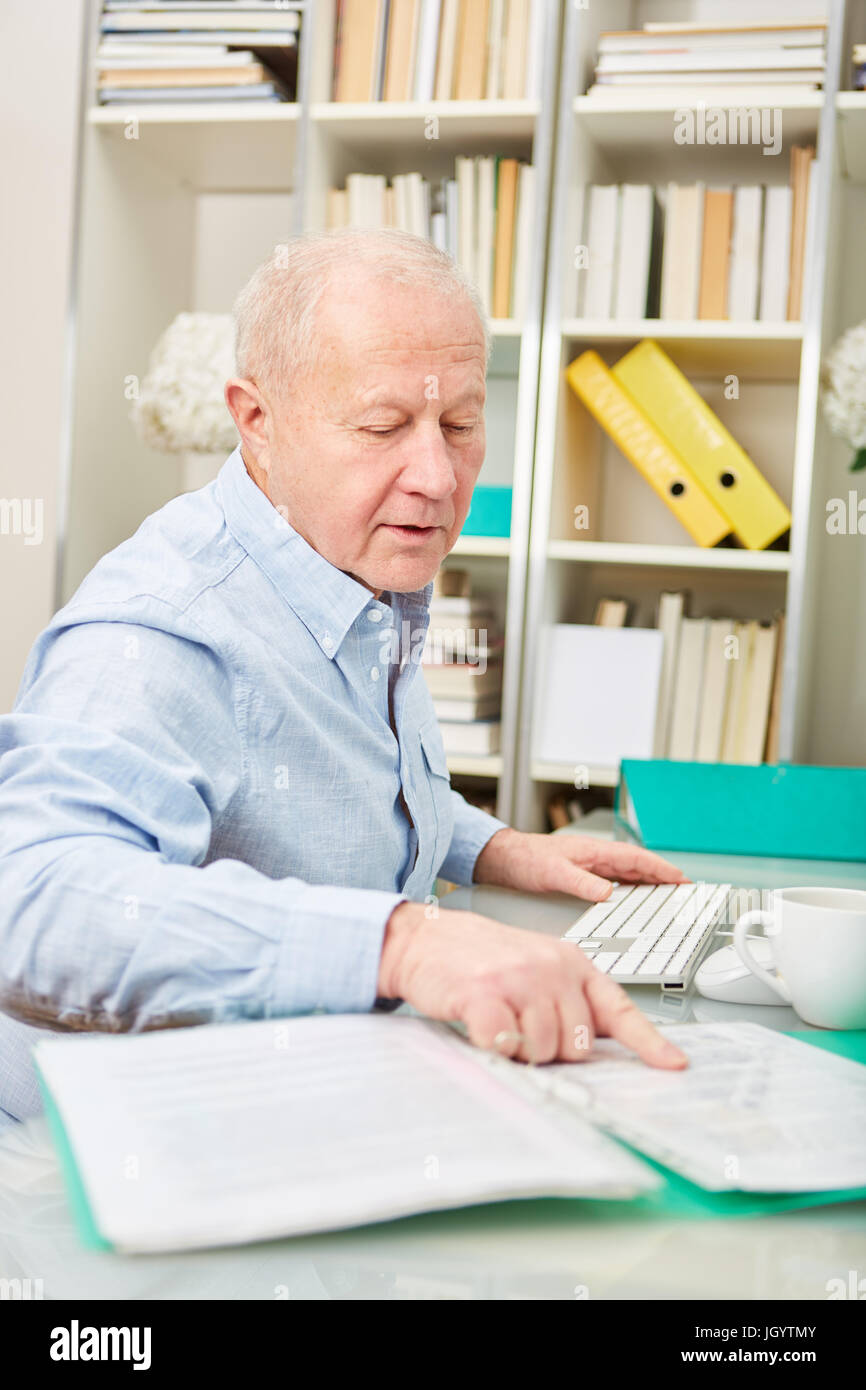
point(462, 664)
point(787, 60)
point(720, 685)
point(156, 51)
point(726, 252)
point(482, 217)
point(680, 447)
point(437, 50)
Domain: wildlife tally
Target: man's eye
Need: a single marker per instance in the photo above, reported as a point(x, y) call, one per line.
point(370, 430)
point(460, 429)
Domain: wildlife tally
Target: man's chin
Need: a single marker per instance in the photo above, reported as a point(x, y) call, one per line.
point(404, 571)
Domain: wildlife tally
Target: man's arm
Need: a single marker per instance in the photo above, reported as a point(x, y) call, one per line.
point(473, 829)
point(122, 749)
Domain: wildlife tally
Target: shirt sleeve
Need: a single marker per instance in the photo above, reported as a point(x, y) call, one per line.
point(472, 829)
point(123, 747)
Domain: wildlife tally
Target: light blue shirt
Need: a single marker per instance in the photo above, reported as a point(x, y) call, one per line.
point(200, 786)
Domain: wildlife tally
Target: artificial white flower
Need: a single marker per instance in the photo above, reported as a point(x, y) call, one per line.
point(843, 395)
point(181, 408)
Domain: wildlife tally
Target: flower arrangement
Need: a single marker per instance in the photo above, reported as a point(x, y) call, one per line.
point(180, 406)
point(843, 395)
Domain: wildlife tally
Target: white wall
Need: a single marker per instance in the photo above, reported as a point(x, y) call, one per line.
point(40, 48)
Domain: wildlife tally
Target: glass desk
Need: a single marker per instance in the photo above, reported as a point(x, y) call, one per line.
point(552, 1249)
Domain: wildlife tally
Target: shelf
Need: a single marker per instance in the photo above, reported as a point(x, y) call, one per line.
point(670, 556)
point(482, 545)
point(488, 766)
point(216, 147)
point(851, 118)
point(405, 123)
point(644, 123)
point(564, 772)
point(768, 350)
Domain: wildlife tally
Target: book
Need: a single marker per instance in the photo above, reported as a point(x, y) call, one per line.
point(133, 78)
point(471, 57)
point(506, 208)
point(745, 266)
point(738, 694)
point(776, 255)
point(715, 253)
point(282, 1127)
point(359, 37)
point(515, 71)
point(802, 157)
point(656, 460)
point(477, 738)
point(446, 56)
point(668, 621)
point(461, 680)
point(714, 692)
point(771, 750)
point(681, 251)
point(611, 612)
point(600, 238)
point(485, 227)
point(522, 259)
point(596, 694)
point(425, 60)
point(638, 253)
point(467, 709)
point(688, 684)
point(754, 510)
point(758, 695)
point(401, 40)
point(736, 60)
point(495, 49)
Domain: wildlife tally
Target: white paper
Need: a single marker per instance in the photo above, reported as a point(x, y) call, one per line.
point(225, 1133)
point(754, 1111)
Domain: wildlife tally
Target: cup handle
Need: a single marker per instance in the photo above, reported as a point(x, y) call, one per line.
point(757, 917)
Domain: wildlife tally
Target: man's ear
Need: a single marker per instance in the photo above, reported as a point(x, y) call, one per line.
point(249, 410)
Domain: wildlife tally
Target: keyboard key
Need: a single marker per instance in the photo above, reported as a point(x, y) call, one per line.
point(604, 960)
point(655, 963)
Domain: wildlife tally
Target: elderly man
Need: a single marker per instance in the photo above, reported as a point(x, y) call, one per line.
point(223, 792)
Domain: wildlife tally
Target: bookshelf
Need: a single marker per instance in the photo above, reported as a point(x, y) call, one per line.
point(178, 216)
point(192, 198)
point(631, 545)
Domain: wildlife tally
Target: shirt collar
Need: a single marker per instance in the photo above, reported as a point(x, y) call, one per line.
point(327, 600)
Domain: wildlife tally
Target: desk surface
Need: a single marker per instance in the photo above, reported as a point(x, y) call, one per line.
point(550, 1250)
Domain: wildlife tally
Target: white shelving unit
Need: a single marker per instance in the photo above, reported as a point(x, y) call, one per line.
point(179, 204)
point(633, 547)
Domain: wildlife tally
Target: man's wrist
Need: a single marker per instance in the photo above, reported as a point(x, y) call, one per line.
point(488, 865)
point(400, 926)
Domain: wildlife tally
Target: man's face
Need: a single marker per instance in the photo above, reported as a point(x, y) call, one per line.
point(375, 455)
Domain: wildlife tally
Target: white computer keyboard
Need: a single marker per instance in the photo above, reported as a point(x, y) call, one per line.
point(647, 934)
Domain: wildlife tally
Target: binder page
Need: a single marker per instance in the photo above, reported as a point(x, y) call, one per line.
point(754, 1110)
point(233, 1132)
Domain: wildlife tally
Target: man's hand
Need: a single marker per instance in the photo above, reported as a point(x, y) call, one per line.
point(503, 981)
point(568, 864)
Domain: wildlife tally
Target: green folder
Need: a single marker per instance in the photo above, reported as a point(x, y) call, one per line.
point(678, 1197)
point(780, 810)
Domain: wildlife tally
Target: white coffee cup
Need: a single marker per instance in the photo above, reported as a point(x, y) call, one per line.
point(818, 938)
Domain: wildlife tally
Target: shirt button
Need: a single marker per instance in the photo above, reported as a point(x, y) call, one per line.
point(328, 642)
point(375, 673)
point(375, 615)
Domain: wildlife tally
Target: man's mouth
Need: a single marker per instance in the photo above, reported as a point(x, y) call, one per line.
point(413, 533)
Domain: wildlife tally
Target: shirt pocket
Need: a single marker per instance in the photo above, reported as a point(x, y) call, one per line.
point(439, 782)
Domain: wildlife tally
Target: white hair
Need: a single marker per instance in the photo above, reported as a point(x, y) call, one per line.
point(276, 338)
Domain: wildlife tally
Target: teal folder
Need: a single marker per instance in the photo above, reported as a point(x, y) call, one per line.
point(489, 512)
point(677, 1197)
point(779, 810)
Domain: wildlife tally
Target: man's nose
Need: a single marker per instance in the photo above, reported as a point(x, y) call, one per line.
point(428, 468)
